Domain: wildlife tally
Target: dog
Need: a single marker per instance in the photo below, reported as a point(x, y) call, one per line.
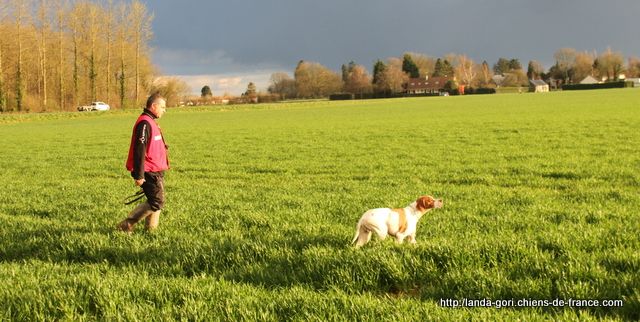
point(399, 222)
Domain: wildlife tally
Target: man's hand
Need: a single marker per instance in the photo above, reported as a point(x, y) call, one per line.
point(139, 182)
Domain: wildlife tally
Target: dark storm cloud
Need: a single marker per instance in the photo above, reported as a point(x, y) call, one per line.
point(211, 37)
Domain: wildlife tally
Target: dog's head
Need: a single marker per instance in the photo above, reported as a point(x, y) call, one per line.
point(425, 203)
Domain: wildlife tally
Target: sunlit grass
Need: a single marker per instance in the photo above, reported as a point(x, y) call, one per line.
point(540, 192)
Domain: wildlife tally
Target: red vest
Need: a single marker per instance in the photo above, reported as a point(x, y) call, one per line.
point(156, 156)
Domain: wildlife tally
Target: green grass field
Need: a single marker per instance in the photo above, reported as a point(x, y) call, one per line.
point(540, 190)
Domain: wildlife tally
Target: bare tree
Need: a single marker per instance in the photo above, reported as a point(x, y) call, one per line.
point(282, 85)
point(516, 77)
point(70, 45)
point(314, 80)
point(90, 26)
point(122, 39)
point(74, 19)
point(21, 13)
point(172, 89)
point(109, 20)
point(3, 96)
point(582, 66)
point(465, 69)
point(425, 63)
point(534, 69)
point(633, 67)
point(394, 61)
point(565, 59)
point(393, 78)
point(610, 64)
point(484, 75)
point(43, 16)
point(141, 28)
point(61, 6)
point(358, 81)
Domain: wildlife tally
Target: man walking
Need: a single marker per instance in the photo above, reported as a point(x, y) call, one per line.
point(147, 162)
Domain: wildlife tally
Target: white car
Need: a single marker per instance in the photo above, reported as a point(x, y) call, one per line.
point(95, 106)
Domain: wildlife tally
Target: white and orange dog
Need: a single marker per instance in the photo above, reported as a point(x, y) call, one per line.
point(400, 222)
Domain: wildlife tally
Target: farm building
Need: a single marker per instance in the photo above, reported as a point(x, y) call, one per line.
point(427, 85)
point(589, 80)
point(538, 86)
point(636, 81)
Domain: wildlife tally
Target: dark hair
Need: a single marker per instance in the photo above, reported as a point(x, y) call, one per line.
point(153, 98)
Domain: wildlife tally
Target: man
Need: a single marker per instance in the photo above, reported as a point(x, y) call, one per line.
point(147, 162)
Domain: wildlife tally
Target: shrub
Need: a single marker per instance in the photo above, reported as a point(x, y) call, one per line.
point(620, 84)
point(480, 90)
point(268, 98)
point(341, 96)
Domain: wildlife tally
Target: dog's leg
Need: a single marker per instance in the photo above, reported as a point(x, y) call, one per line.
point(364, 238)
point(382, 232)
point(412, 239)
point(361, 235)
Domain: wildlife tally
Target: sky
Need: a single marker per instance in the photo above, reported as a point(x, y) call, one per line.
point(227, 44)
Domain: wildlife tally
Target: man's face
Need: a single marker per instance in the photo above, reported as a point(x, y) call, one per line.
point(159, 107)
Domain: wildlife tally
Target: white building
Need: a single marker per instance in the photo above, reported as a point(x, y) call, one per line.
point(538, 86)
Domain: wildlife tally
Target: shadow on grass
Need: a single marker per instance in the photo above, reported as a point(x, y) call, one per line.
point(319, 261)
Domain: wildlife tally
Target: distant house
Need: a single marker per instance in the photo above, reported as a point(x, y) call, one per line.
point(589, 80)
point(427, 85)
point(538, 86)
point(636, 81)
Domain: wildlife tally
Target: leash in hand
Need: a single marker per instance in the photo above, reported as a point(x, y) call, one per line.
point(134, 197)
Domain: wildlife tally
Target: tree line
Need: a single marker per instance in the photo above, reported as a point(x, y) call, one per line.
point(312, 80)
point(58, 54)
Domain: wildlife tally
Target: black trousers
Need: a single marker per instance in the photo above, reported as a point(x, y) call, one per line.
point(153, 188)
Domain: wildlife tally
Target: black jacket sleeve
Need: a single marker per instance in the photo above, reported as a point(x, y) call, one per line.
point(142, 136)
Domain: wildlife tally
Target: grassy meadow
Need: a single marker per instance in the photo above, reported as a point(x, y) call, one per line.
point(541, 199)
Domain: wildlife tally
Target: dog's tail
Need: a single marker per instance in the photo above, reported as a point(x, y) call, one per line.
point(355, 238)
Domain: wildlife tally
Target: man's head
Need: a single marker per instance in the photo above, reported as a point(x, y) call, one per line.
point(156, 104)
